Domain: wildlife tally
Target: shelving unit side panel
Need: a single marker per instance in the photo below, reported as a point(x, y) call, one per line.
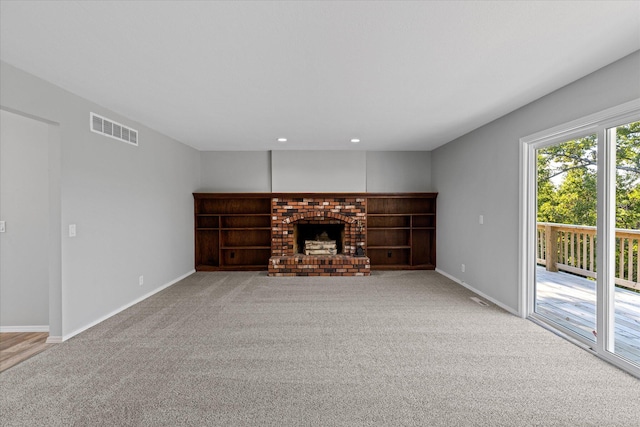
point(423, 248)
point(207, 248)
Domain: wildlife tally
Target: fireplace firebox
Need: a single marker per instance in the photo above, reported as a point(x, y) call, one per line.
point(318, 231)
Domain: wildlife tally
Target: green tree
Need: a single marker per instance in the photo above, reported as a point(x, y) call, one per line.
point(576, 198)
point(567, 180)
point(628, 176)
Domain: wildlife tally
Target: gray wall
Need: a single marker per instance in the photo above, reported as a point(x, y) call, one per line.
point(132, 205)
point(24, 205)
point(316, 171)
point(398, 171)
point(235, 171)
point(478, 174)
point(319, 171)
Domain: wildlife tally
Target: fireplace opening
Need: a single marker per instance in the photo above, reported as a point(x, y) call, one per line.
point(319, 233)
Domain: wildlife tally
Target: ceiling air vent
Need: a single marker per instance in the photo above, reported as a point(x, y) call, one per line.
point(112, 129)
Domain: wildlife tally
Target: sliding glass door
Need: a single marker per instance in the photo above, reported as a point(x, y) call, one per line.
point(581, 232)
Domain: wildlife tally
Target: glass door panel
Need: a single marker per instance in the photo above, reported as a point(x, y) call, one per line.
point(626, 268)
point(565, 286)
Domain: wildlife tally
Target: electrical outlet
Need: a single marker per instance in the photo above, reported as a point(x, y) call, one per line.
point(481, 219)
point(463, 268)
point(141, 280)
point(72, 230)
point(2, 227)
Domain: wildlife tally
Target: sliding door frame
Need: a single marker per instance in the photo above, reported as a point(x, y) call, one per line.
point(599, 124)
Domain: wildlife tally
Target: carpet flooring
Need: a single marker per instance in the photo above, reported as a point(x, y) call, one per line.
point(242, 349)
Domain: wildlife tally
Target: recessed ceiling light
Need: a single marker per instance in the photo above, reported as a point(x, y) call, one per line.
point(355, 140)
point(282, 139)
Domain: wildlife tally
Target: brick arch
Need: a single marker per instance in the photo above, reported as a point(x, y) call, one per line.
point(312, 214)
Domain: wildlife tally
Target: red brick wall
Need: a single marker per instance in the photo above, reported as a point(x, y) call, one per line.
point(287, 211)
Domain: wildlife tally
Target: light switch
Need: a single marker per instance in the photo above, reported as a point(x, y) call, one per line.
point(2, 227)
point(72, 230)
point(481, 219)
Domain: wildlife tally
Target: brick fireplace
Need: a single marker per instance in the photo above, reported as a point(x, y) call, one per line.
point(344, 219)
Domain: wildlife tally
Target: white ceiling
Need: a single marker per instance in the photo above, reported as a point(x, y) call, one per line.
point(238, 75)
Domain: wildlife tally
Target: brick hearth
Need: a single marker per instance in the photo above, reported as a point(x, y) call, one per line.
point(315, 265)
point(286, 212)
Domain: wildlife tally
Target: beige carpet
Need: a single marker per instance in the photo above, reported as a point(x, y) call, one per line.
point(396, 348)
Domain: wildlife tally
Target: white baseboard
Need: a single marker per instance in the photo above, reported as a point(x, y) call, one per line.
point(30, 328)
point(124, 307)
point(483, 295)
point(54, 340)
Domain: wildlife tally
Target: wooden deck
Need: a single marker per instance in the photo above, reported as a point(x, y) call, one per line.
point(570, 301)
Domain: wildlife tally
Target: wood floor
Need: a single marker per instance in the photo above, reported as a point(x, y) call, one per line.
point(16, 347)
point(570, 301)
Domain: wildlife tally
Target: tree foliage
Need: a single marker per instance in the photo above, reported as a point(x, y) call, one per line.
point(567, 180)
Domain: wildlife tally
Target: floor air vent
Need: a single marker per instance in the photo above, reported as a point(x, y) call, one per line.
point(479, 301)
point(114, 130)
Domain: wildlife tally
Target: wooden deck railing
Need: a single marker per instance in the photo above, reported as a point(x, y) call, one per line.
point(574, 247)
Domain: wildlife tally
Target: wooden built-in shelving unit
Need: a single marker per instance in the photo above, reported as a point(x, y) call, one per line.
point(401, 231)
point(232, 231)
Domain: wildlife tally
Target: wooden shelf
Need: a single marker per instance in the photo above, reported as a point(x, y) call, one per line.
point(395, 267)
point(389, 228)
point(247, 228)
point(245, 247)
point(227, 215)
point(425, 266)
